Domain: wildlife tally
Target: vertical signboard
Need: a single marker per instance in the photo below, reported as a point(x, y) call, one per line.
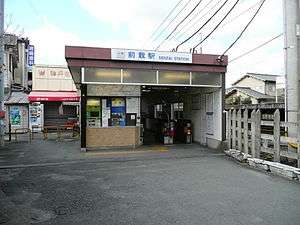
point(30, 57)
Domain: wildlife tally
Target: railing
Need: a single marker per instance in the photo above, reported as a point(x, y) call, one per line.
point(249, 136)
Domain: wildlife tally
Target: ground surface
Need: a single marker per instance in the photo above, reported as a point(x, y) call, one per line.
point(51, 182)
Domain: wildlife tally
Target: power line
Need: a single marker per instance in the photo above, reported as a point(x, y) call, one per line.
point(256, 48)
point(195, 7)
point(216, 27)
point(192, 25)
point(242, 13)
point(165, 19)
point(245, 28)
point(228, 22)
point(171, 21)
point(202, 25)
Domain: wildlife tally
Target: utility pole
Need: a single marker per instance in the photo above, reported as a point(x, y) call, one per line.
point(2, 73)
point(292, 69)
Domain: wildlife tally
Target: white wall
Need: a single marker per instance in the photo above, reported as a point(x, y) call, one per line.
point(195, 109)
point(255, 84)
point(52, 78)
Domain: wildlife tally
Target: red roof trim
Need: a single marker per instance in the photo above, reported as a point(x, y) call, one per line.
point(48, 96)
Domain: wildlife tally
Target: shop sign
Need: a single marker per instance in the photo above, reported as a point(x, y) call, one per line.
point(53, 99)
point(30, 56)
point(49, 73)
point(150, 56)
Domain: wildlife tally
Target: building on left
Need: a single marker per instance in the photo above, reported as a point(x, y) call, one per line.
point(18, 59)
point(53, 100)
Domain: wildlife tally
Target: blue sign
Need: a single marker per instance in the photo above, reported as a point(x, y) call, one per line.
point(30, 56)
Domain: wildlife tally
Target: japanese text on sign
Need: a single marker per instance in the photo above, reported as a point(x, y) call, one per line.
point(150, 56)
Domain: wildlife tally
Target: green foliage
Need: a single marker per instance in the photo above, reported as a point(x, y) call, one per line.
point(237, 100)
point(246, 101)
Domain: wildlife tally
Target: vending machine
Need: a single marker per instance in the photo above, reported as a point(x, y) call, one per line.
point(36, 114)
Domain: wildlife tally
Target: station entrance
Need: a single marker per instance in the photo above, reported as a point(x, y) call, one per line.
point(178, 114)
point(133, 97)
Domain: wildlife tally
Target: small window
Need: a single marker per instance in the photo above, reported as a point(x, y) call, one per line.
point(102, 75)
point(174, 77)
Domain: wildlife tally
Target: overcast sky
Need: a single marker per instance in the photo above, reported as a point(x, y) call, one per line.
point(50, 25)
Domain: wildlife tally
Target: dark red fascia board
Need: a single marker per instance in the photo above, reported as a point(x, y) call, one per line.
point(92, 53)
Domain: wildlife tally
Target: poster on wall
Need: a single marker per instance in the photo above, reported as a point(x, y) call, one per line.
point(132, 105)
point(117, 102)
point(15, 115)
point(105, 113)
point(118, 112)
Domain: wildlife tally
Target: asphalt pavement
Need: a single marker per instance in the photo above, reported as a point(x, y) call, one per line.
point(52, 182)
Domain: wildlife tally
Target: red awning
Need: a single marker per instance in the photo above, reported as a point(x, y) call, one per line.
point(48, 96)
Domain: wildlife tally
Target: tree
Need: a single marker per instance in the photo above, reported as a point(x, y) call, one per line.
point(246, 101)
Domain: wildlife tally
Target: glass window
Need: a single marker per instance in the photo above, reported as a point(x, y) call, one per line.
point(174, 77)
point(139, 76)
point(102, 75)
point(93, 112)
point(199, 78)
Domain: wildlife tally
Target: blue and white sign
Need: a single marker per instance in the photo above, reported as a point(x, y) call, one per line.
point(30, 59)
point(150, 56)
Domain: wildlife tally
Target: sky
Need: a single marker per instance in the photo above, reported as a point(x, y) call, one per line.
point(50, 25)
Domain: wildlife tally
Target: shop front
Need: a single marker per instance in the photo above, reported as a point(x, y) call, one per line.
point(53, 108)
point(53, 99)
point(134, 97)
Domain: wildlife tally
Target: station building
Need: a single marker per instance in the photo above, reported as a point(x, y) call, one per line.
point(128, 97)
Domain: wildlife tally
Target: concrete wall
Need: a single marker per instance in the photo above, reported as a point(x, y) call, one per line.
point(253, 83)
point(7, 72)
point(113, 90)
point(206, 120)
point(21, 73)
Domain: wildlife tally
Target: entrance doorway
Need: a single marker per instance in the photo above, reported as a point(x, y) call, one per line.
point(164, 116)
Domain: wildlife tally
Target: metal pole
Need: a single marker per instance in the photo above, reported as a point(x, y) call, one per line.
point(1, 71)
point(291, 34)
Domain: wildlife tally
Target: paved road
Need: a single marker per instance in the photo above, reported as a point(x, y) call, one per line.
point(157, 185)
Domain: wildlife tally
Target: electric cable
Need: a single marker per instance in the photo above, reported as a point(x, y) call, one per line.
point(228, 22)
point(175, 28)
point(171, 21)
point(243, 31)
point(256, 48)
point(216, 27)
point(242, 13)
point(197, 21)
point(164, 20)
point(197, 31)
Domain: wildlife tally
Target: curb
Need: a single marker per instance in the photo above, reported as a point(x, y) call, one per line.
point(282, 170)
